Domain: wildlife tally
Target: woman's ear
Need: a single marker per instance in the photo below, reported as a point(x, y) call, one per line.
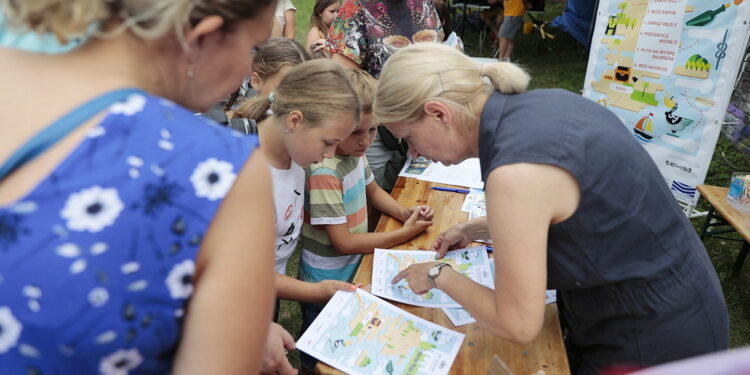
point(294, 121)
point(206, 27)
point(438, 111)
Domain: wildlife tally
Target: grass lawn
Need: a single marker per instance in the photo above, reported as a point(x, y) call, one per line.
point(561, 63)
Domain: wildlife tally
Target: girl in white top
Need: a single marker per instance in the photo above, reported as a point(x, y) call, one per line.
point(301, 122)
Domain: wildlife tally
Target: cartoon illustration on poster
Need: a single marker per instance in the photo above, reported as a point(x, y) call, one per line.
point(666, 68)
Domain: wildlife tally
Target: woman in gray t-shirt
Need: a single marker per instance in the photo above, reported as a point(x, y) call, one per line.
point(574, 203)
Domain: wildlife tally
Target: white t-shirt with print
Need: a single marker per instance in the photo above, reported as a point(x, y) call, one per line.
point(289, 204)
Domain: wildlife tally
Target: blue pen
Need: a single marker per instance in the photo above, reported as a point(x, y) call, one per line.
point(462, 191)
point(489, 249)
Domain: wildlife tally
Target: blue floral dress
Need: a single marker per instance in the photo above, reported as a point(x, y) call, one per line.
point(96, 262)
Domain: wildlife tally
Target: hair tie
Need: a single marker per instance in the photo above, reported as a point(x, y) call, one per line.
point(271, 98)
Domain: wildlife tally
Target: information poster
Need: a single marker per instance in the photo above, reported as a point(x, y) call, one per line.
point(667, 68)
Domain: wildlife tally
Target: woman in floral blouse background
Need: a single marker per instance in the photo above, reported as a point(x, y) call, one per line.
point(368, 32)
point(136, 241)
point(363, 36)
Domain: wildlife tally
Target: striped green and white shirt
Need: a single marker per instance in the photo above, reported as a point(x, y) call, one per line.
point(335, 194)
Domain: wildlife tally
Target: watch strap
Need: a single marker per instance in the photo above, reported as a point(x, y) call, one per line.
point(439, 268)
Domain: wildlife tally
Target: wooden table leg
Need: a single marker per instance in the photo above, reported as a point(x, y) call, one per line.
point(707, 223)
point(740, 259)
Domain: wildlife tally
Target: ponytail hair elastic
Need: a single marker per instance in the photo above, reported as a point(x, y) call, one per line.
point(271, 100)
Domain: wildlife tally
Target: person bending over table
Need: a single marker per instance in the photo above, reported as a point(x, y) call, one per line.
point(574, 203)
point(134, 235)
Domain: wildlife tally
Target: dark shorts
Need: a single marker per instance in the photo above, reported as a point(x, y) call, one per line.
point(310, 311)
point(643, 323)
point(510, 26)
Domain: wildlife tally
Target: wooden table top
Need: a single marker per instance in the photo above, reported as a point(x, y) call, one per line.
point(546, 352)
point(717, 197)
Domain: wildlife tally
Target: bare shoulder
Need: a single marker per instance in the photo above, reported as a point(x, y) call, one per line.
point(312, 35)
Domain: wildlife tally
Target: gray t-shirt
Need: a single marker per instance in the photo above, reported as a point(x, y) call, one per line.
point(627, 225)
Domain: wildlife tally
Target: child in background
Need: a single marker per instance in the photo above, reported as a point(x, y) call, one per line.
point(311, 110)
point(338, 190)
point(284, 20)
point(444, 14)
point(513, 12)
point(322, 17)
point(271, 61)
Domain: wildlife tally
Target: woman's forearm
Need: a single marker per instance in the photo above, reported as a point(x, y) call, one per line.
point(482, 303)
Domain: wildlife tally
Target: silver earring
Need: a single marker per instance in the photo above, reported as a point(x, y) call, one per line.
point(190, 72)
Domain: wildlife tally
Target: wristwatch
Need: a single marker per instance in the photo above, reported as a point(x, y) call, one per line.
point(434, 271)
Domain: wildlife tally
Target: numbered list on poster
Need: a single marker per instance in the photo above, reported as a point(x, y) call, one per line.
point(659, 37)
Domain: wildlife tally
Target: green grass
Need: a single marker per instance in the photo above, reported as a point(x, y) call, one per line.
point(561, 63)
point(302, 26)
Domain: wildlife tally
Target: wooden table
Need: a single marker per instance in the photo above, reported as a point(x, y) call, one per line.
point(723, 218)
point(546, 352)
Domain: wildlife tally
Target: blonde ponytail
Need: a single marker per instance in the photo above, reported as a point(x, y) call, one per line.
point(506, 77)
point(434, 72)
point(253, 108)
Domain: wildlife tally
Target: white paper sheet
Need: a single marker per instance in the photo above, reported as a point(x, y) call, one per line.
point(467, 173)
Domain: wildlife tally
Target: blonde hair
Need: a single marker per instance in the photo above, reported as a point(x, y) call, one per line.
point(434, 72)
point(148, 19)
point(364, 86)
point(317, 88)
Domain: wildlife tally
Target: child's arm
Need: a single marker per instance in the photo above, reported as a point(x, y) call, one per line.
point(384, 202)
point(289, 23)
point(296, 290)
point(276, 31)
point(327, 208)
point(365, 243)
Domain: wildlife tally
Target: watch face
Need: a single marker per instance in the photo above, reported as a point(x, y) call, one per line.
point(434, 271)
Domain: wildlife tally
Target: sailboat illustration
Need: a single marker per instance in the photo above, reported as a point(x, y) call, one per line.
point(643, 127)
